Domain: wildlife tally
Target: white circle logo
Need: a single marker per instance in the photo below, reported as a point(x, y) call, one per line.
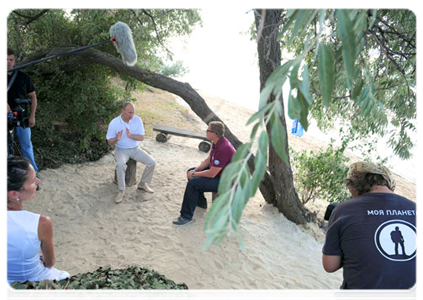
point(216, 162)
point(396, 240)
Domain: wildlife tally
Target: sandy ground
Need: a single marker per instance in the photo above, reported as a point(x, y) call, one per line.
point(90, 230)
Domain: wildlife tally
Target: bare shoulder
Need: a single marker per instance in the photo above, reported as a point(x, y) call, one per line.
point(45, 225)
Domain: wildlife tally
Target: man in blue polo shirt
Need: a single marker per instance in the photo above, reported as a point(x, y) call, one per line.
point(125, 133)
point(206, 177)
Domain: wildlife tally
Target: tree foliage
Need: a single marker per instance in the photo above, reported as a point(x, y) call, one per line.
point(321, 174)
point(356, 67)
point(83, 99)
point(361, 66)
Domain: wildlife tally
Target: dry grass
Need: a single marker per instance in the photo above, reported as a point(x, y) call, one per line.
point(155, 107)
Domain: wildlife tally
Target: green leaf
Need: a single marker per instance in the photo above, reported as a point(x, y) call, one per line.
point(326, 73)
point(363, 96)
point(278, 135)
point(260, 162)
point(352, 13)
point(294, 82)
point(244, 175)
point(241, 152)
point(238, 203)
point(348, 39)
point(228, 175)
point(275, 82)
point(265, 94)
point(369, 107)
point(372, 22)
point(218, 203)
point(254, 131)
point(304, 110)
point(322, 16)
point(357, 89)
point(290, 19)
point(303, 18)
point(305, 85)
point(294, 107)
point(279, 108)
point(259, 115)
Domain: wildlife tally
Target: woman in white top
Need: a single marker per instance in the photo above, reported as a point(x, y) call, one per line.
point(27, 233)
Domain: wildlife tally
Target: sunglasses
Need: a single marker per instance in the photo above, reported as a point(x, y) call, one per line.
point(211, 131)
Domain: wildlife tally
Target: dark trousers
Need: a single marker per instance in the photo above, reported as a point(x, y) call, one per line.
point(194, 193)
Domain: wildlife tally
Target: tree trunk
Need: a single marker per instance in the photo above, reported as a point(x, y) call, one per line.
point(269, 53)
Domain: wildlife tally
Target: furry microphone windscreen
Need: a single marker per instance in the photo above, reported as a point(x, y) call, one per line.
point(122, 36)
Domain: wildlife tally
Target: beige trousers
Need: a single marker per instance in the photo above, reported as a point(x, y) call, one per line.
point(123, 155)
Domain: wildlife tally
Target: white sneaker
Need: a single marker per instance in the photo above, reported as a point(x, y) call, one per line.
point(119, 196)
point(145, 187)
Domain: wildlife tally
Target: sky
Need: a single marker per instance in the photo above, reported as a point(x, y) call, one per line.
point(220, 56)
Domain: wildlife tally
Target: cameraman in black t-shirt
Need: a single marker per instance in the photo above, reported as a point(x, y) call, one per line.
point(21, 88)
point(364, 233)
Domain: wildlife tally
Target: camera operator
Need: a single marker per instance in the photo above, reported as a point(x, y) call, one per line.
point(21, 88)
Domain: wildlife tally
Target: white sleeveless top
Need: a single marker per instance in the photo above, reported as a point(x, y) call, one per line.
point(23, 250)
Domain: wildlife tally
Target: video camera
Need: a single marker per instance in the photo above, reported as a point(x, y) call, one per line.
point(19, 117)
point(329, 210)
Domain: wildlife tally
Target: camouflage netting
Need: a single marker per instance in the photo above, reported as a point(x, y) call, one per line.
point(132, 277)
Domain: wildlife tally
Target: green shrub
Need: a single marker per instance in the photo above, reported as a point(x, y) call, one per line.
point(132, 277)
point(320, 175)
point(74, 110)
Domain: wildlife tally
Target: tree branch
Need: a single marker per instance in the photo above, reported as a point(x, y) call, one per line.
point(386, 50)
point(155, 28)
point(395, 32)
point(31, 18)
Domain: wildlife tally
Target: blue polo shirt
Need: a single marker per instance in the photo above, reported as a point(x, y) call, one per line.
point(135, 126)
point(221, 154)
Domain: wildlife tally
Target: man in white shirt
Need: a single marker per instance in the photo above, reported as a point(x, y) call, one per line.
point(125, 133)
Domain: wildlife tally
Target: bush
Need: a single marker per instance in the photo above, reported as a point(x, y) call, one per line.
point(74, 110)
point(132, 277)
point(320, 175)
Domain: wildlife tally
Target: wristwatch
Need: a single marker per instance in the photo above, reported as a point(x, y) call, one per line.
point(193, 175)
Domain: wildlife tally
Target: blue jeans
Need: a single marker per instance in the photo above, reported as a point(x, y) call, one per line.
point(194, 192)
point(24, 137)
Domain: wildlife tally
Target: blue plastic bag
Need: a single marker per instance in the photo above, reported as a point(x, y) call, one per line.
point(297, 129)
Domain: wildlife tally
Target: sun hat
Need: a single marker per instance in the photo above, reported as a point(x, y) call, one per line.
point(364, 167)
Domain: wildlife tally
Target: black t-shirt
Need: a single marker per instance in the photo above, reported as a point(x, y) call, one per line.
point(376, 236)
point(20, 88)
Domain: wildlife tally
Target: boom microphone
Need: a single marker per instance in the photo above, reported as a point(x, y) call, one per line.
point(121, 37)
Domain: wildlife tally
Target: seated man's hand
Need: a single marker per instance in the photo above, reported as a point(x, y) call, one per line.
point(128, 133)
point(119, 135)
point(189, 174)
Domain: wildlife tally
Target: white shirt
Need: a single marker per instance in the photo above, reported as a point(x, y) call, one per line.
point(23, 250)
point(135, 126)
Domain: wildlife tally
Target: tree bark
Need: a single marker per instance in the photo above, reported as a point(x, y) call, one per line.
point(269, 53)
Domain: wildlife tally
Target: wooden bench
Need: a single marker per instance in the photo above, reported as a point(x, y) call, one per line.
point(165, 133)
